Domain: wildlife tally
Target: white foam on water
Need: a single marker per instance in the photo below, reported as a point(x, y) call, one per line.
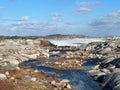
point(75, 41)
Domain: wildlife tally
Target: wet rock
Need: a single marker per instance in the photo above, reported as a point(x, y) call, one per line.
point(107, 60)
point(94, 72)
point(106, 71)
point(112, 67)
point(112, 80)
point(111, 64)
point(115, 70)
point(96, 67)
point(99, 78)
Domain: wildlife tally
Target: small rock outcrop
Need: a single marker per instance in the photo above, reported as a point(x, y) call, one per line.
point(2, 76)
point(62, 84)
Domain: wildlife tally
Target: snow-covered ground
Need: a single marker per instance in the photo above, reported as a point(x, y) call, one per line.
point(76, 41)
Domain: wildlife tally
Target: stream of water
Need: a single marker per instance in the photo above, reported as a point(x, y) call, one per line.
point(79, 79)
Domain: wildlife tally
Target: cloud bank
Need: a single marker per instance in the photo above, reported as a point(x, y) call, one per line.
point(85, 7)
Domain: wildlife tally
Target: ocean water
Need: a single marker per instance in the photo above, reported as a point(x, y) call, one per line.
point(75, 41)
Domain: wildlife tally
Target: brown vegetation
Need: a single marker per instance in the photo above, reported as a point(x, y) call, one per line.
point(17, 83)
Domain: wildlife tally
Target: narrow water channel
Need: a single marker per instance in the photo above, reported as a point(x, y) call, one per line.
point(79, 79)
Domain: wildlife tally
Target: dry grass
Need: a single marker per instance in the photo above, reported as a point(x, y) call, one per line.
point(6, 85)
point(19, 84)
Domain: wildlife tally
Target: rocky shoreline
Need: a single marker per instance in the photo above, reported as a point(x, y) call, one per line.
point(13, 52)
point(107, 71)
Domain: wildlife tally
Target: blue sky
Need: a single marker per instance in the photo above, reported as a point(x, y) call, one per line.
point(44, 17)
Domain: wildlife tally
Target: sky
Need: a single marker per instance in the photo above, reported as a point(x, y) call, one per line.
point(45, 17)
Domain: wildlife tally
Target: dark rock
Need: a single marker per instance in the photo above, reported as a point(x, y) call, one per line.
point(117, 87)
point(115, 62)
point(115, 70)
point(46, 43)
point(112, 80)
point(100, 78)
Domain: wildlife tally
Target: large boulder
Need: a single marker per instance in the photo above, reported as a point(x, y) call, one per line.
point(11, 67)
point(113, 45)
point(114, 70)
point(106, 50)
point(46, 43)
point(12, 61)
point(108, 59)
point(96, 73)
point(112, 80)
point(111, 63)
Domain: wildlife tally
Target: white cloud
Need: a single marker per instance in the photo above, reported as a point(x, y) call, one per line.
point(13, 28)
point(33, 25)
point(71, 22)
point(85, 7)
point(88, 4)
point(24, 18)
point(114, 14)
point(32, 28)
point(109, 23)
point(83, 10)
point(56, 17)
point(108, 20)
